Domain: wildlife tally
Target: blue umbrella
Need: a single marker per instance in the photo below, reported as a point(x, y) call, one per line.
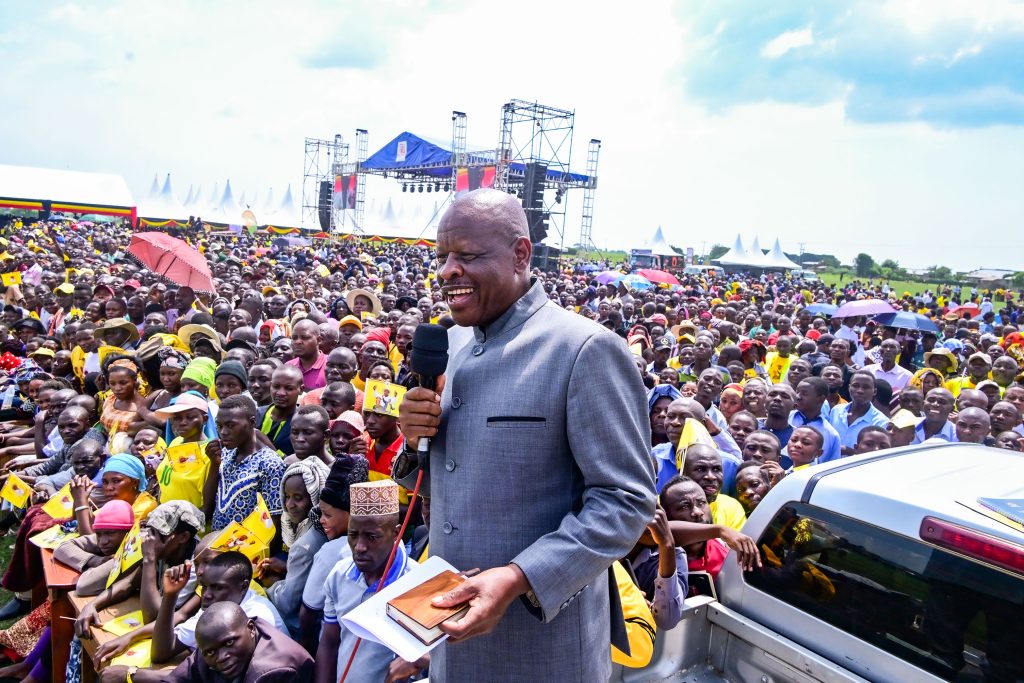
point(907, 320)
point(633, 281)
point(821, 309)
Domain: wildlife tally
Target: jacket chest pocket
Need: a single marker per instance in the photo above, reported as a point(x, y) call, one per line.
point(516, 422)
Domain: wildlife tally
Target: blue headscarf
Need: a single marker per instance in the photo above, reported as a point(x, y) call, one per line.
point(128, 465)
point(209, 430)
point(661, 391)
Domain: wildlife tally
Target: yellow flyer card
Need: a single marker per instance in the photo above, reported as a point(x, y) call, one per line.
point(125, 623)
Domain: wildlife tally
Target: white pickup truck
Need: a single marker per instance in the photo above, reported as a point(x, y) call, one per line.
point(881, 567)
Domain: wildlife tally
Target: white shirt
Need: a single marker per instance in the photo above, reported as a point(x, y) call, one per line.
point(329, 555)
point(253, 604)
point(897, 378)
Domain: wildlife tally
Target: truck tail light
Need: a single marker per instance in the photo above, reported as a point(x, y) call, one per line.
point(974, 544)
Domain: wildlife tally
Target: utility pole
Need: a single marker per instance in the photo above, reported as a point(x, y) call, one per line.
point(801, 245)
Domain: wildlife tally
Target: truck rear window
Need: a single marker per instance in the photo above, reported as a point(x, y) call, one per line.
point(942, 612)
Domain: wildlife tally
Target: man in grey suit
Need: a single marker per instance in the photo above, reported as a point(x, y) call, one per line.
point(539, 470)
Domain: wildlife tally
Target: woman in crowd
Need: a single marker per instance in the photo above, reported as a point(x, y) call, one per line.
point(183, 472)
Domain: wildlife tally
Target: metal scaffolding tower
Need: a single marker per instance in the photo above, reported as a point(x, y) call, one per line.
point(587, 216)
point(459, 125)
point(362, 141)
point(321, 158)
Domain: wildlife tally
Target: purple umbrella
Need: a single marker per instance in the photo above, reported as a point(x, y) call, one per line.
point(608, 276)
point(863, 307)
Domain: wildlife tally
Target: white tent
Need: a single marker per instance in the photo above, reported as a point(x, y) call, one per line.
point(659, 246)
point(287, 214)
point(60, 186)
point(163, 206)
point(737, 256)
point(154, 188)
point(777, 259)
point(227, 211)
point(758, 259)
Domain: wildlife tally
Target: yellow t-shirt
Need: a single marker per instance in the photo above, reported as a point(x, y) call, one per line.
point(957, 383)
point(777, 366)
point(184, 483)
point(727, 511)
point(640, 626)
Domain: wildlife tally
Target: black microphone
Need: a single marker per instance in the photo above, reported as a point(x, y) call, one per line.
point(428, 359)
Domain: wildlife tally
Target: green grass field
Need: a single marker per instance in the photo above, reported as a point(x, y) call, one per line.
point(900, 286)
point(6, 549)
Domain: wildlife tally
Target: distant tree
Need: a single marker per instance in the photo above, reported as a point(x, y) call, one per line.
point(1018, 279)
point(863, 265)
point(717, 251)
point(940, 274)
point(891, 270)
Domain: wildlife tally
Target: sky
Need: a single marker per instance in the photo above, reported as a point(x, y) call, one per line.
point(893, 127)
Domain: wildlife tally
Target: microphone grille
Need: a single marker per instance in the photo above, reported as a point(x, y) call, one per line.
point(428, 356)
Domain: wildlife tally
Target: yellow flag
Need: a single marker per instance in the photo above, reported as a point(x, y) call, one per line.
point(15, 491)
point(140, 654)
point(693, 432)
point(143, 505)
point(185, 458)
point(12, 278)
point(237, 537)
point(52, 537)
point(126, 623)
point(61, 505)
point(128, 554)
point(260, 523)
point(322, 271)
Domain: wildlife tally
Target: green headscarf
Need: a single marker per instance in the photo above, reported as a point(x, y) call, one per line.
point(201, 370)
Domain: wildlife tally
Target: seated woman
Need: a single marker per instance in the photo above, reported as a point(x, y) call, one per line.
point(123, 478)
point(93, 556)
point(302, 535)
point(25, 570)
point(188, 416)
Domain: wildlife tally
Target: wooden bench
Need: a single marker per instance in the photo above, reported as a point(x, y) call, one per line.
point(60, 581)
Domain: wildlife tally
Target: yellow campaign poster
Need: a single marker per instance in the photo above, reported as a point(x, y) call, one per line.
point(125, 623)
point(143, 505)
point(16, 491)
point(383, 397)
point(259, 521)
point(128, 554)
point(61, 505)
point(52, 537)
point(185, 458)
point(12, 278)
point(237, 537)
point(140, 654)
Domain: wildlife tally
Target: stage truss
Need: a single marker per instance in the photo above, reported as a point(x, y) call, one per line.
point(530, 134)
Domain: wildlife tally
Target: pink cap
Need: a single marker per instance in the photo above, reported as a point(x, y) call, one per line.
point(351, 417)
point(182, 403)
point(116, 515)
point(134, 284)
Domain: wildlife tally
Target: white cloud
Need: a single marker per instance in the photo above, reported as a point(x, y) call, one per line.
point(790, 40)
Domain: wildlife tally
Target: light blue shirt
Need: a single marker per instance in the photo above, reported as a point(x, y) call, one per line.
point(848, 432)
point(947, 433)
point(830, 449)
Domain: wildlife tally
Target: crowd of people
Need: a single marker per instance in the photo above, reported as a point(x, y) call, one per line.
point(148, 416)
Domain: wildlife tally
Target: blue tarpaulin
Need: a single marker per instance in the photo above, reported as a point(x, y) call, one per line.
point(408, 151)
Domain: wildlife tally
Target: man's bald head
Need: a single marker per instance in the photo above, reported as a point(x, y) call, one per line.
point(491, 209)
point(226, 639)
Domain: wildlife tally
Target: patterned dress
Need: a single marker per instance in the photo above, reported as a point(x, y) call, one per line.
point(239, 483)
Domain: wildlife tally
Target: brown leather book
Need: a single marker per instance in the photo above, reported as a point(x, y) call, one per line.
point(414, 612)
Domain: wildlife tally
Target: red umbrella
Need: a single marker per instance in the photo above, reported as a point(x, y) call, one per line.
point(172, 259)
point(973, 309)
point(658, 276)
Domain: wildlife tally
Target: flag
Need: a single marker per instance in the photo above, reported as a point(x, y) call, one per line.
point(260, 523)
point(12, 278)
point(693, 432)
point(126, 623)
point(128, 554)
point(237, 537)
point(140, 655)
point(52, 537)
point(143, 505)
point(61, 505)
point(185, 457)
point(15, 491)
point(473, 178)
